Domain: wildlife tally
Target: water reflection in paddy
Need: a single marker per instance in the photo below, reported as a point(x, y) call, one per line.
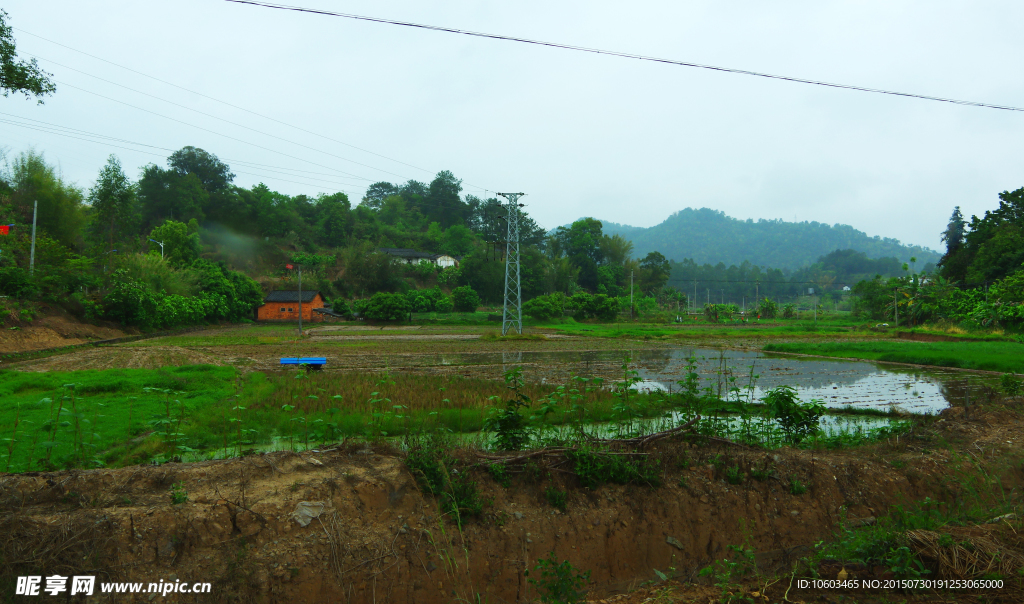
point(836, 383)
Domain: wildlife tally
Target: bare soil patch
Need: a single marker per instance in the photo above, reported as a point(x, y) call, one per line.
point(54, 330)
point(374, 537)
point(118, 357)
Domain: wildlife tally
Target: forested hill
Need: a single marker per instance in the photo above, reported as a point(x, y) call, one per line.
point(709, 236)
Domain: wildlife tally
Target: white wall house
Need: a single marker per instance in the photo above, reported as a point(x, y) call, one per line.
point(409, 256)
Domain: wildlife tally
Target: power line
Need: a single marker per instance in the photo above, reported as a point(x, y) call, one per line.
point(625, 55)
point(41, 124)
point(110, 142)
point(232, 105)
point(227, 136)
point(187, 108)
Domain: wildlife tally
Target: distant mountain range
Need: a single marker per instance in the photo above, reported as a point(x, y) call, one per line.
point(709, 237)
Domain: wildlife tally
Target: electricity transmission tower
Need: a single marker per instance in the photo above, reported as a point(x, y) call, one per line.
point(512, 313)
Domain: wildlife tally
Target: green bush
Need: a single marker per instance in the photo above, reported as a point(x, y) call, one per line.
point(594, 469)
point(559, 582)
point(387, 307)
point(542, 308)
point(798, 420)
point(14, 282)
point(789, 311)
point(436, 471)
point(767, 308)
point(465, 299)
point(130, 302)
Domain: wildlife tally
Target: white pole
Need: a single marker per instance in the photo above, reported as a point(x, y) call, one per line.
point(32, 254)
point(300, 300)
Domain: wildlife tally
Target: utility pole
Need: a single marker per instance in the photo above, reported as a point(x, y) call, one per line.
point(32, 253)
point(694, 302)
point(300, 299)
point(708, 291)
point(630, 295)
point(512, 310)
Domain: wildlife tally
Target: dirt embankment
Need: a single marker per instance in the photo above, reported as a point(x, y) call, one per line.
point(52, 330)
point(372, 536)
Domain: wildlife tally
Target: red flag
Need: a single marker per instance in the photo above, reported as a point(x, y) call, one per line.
point(5, 229)
point(288, 266)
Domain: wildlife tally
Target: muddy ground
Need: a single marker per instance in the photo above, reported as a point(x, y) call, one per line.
point(55, 328)
point(374, 537)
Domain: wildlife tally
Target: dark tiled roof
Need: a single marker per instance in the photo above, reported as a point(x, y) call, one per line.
point(290, 295)
point(402, 252)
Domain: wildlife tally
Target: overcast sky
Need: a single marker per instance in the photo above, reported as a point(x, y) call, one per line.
point(582, 135)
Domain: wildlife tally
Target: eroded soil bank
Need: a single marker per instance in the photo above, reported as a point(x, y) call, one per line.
point(374, 537)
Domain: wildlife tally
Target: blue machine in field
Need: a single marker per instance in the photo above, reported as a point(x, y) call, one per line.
point(311, 362)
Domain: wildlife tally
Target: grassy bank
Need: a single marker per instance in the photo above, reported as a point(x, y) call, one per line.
point(126, 416)
point(988, 356)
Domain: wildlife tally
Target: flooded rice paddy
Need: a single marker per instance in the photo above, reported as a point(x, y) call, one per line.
point(836, 383)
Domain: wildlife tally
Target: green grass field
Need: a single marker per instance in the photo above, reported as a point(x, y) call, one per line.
point(989, 356)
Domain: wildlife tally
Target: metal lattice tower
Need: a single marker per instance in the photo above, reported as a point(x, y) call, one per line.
point(512, 313)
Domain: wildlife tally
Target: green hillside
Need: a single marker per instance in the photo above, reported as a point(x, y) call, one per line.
point(709, 236)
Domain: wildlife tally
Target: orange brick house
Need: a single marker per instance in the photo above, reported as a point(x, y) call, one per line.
point(283, 305)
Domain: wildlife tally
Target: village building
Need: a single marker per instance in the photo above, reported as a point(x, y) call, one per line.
point(409, 256)
point(283, 305)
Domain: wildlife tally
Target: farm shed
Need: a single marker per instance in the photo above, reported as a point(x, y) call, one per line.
point(283, 305)
point(409, 256)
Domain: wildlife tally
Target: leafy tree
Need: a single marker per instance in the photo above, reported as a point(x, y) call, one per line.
point(61, 213)
point(20, 76)
point(457, 241)
point(953, 236)
point(654, 271)
point(581, 243)
point(220, 203)
point(334, 221)
point(114, 206)
point(168, 195)
point(991, 247)
point(445, 205)
point(377, 193)
point(181, 242)
point(465, 299)
point(387, 307)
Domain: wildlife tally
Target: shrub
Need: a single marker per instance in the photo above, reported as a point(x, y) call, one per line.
point(130, 302)
point(14, 282)
point(387, 307)
point(606, 308)
point(341, 307)
point(559, 582)
point(541, 308)
point(789, 311)
point(465, 299)
point(435, 470)
point(1011, 385)
point(508, 424)
point(798, 420)
point(594, 469)
point(767, 308)
point(556, 497)
point(444, 304)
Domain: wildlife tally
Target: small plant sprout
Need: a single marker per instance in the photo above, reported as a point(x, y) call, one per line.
point(558, 582)
point(178, 493)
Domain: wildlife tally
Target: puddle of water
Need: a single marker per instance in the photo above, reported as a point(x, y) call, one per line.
point(836, 383)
